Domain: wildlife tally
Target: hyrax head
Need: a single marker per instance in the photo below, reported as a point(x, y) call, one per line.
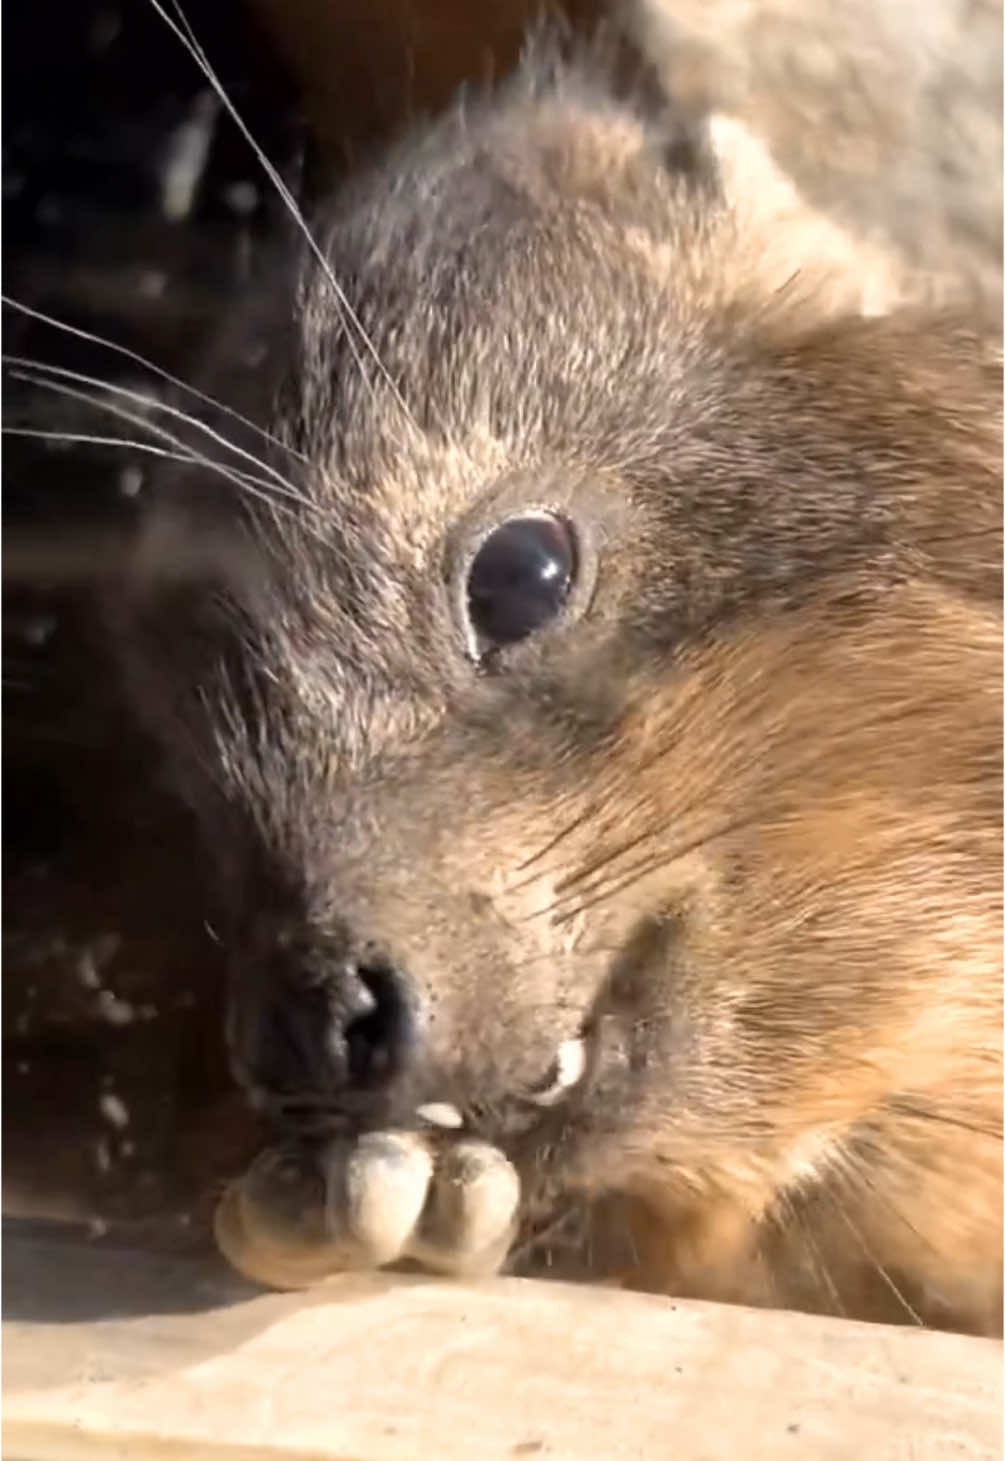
point(601, 731)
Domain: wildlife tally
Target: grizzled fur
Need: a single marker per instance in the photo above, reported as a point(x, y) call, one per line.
point(737, 814)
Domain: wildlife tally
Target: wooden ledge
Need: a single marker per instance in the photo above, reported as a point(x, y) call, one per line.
point(384, 1369)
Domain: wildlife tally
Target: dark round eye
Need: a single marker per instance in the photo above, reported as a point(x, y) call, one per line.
point(520, 578)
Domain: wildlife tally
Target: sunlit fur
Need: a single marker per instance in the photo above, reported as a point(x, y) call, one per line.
point(740, 813)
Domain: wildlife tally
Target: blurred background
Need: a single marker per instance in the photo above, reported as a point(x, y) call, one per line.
point(134, 211)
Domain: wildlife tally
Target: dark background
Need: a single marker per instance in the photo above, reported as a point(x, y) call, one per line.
point(117, 1107)
point(118, 1111)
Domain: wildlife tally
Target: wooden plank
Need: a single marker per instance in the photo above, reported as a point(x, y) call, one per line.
point(101, 1359)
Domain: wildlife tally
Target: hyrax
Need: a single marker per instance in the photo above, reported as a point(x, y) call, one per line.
point(595, 713)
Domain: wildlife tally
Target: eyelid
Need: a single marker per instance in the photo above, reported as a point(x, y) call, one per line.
point(595, 505)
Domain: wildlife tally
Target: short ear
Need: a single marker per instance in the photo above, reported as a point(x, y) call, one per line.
point(894, 138)
point(670, 88)
point(695, 72)
point(613, 56)
point(780, 238)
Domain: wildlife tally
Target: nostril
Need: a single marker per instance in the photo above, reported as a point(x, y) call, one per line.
point(378, 1038)
point(309, 1027)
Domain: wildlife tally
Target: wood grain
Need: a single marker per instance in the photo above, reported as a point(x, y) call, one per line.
point(383, 1368)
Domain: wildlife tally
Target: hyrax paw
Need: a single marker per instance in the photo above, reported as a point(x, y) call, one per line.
point(469, 1218)
point(298, 1215)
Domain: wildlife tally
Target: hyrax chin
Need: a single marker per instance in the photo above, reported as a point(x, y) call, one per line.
point(598, 728)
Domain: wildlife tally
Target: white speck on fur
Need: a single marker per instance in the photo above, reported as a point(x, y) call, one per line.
point(113, 1010)
point(87, 971)
point(130, 481)
point(186, 159)
point(114, 1110)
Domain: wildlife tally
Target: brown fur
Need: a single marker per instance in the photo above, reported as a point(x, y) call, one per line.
point(739, 813)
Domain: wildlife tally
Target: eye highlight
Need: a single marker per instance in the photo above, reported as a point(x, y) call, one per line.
point(520, 578)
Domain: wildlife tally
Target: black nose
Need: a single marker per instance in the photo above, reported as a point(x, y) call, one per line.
point(320, 1031)
point(380, 1035)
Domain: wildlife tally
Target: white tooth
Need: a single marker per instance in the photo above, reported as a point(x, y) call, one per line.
point(571, 1063)
point(440, 1113)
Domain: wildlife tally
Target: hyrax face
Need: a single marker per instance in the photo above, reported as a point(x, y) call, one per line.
point(604, 750)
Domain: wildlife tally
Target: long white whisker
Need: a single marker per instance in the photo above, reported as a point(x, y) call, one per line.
point(61, 372)
point(255, 487)
point(184, 33)
point(870, 1257)
point(165, 375)
point(86, 438)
